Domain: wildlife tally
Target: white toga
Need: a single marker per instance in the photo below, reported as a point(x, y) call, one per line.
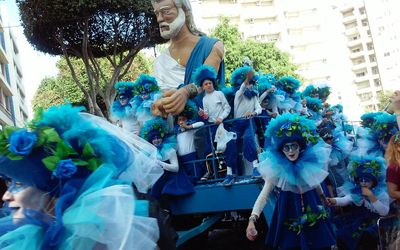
point(168, 72)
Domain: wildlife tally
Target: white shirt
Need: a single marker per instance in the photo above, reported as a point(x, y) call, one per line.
point(168, 72)
point(380, 206)
point(216, 106)
point(243, 104)
point(185, 140)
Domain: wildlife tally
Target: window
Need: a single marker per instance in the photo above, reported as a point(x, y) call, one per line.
point(360, 74)
point(377, 82)
point(362, 10)
point(364, 23)
point(372, 58)
point(386, 54)
point(370, 46)
point(375, 70)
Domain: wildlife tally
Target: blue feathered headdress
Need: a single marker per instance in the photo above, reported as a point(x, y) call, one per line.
point(190, 111)
point(58, 145)
point(265, 82)
point(124, 89)
point(338, 107)
point(369, 167)
point(384, 126)
point(314, 104)
point(145, 84)
point(310, 91)
point(289, 84)
point(324, 91)
point(239, 75)
point(157, 126)
point(202, 73)
point(291, 127)
point(368, 119)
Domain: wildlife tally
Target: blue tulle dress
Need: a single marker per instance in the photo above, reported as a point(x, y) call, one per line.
point(299, 220)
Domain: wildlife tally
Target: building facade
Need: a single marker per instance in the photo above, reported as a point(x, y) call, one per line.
point(341, 43)
point(13, 108)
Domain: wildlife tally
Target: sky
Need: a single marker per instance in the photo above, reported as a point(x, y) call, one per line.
point(35, 65)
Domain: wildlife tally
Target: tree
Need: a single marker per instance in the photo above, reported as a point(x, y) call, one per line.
point(62, 88)
point(265, 56)
point(88, 30)
point(384, 99)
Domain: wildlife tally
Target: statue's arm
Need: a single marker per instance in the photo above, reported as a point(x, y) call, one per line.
point(216, 56)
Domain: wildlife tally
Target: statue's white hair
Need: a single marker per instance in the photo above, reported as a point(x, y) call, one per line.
point(187, 7)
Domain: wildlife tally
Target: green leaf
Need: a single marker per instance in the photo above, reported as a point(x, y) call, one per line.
point(51, 135)
point(80, 162)
point(62, 150)
point(9, 130)
point(88, 151)
point(94, 163)
point(14, 157)
point(51, 162)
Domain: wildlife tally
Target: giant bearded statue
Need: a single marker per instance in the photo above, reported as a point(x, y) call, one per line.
point(189, 49)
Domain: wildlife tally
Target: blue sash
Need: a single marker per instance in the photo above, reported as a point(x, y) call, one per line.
point(199, 54)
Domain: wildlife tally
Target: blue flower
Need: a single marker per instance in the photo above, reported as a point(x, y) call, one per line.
point(22, 142)
point(286, 125)
point(65, 169)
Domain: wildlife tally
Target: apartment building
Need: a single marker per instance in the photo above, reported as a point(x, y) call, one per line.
point(13, 108)
point(310, 31)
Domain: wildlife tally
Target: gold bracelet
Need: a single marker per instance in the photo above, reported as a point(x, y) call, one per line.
point(192, 90)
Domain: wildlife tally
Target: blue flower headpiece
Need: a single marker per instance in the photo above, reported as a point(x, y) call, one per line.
point(58, 145)
point(190, 111)
point(324, 91)
point(157, 126)
point(369, 167)
point(321, 91)
point(202, 73)
point(265, 82)
point(239, 75)
point(291, 127)
point(368, 119)
point(145, 84)
point(384, 126)
point(288, 84)
point(314, 104)
point(124, 89)
point(310, 91)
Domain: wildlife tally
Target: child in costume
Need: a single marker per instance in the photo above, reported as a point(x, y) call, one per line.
point(174, 181)
point(68, 185)
point(295, 162)
point(289, 86)
point(186, 126)
point(216, 109)
point(246, 105)
point(146, 91)
point(367, 191)
point(122, 108)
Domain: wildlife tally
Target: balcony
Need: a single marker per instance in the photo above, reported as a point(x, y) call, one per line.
point(5, 116)
point(354, 43)
point(354, 55)
point(351, 31)
point(359, 66)
point(4, 86)
point(349, 19)
point(359, 79)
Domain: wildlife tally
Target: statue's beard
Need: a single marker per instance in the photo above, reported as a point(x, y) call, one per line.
point(174, 27)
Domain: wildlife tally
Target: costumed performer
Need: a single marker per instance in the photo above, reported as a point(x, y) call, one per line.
point(189, 48)
point(122, 108)
point(66, 188)
point(174, 181)
point(367, 191)
point(187, 123)
point(296, 163)
point(146, 91)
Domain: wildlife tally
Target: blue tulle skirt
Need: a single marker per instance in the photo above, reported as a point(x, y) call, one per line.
point(288, 207)
point(194, 170)
point(171, 183)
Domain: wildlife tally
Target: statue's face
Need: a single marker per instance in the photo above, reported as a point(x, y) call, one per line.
point(20, 197)
point(170, 18)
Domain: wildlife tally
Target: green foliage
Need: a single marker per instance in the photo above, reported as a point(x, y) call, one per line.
point(265, 56)
point(62, 88)
point(112, 26)
point(384, 99)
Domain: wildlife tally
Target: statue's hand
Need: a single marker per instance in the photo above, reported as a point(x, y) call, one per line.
point(157, 108)
point(174, 101)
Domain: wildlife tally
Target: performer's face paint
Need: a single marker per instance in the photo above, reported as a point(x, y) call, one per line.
point(20, 197)
point(366, 182)
point(208, 86)
point(291, 150)
point(170, 18)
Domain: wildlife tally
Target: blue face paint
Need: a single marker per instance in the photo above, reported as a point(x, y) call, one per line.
point(15, 186)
